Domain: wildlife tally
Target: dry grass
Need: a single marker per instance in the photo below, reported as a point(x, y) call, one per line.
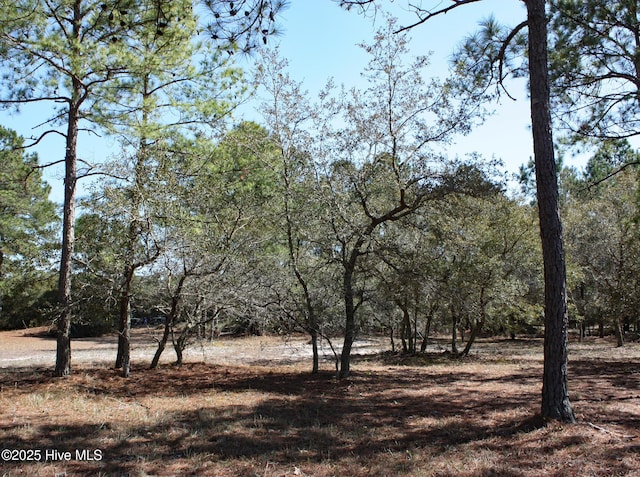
point(423, 416)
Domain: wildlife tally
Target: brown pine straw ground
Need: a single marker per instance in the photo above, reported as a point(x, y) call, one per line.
point(396, 416)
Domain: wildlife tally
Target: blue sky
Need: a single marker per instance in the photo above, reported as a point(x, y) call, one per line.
point(320, 41)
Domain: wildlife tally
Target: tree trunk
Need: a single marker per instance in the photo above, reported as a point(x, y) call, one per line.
point(168, 324)
point(555, 394)
point(475, 331)
point(427, 331)
point(124, 324)
point(312, 321)
point(180, 344)
point(427, 327)
point(619, 332)
point(350, 322)
point(161, 345)
point(477, 327)
point(454, 327)
point(405, 329)
point(393, 343)
point(314, 348)
point(63, 335)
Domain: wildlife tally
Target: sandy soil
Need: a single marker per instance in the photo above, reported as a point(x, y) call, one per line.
point(33, 347)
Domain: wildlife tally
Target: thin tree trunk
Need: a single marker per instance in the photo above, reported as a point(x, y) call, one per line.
point(427, 327)
point(168, 324)
point(180, 345)
point(475, 331)
point(314, 348)
point(454, 327)
point(124, 324)
point(350, 322)
point(619, 332)
point(555, 394)
point(405, 329)
point(63, 335)
point(161, 345)
point(427, 331)
point(312, 320)
point(393, 343)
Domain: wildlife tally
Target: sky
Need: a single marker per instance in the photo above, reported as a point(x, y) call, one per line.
point(320, 40)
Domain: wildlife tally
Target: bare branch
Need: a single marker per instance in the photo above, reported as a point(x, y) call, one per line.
point(40, 138)
point(503, 51)
point(610, 175)
point(426, 15)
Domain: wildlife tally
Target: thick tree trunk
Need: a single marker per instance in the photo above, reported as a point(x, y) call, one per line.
point(555, 394)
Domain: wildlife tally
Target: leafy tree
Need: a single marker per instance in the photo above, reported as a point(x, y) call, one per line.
point(288, 114)
point(97, 258)
point(594, 67)
point(603, 240)
point(69, 52)
point(178, 77)
point(27, 231)
point(488, 242)
point(491, 56)
point(380, 164)
point(61, 53)
point(212, 238)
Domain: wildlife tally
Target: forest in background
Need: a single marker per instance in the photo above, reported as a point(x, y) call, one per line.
point(335, 215)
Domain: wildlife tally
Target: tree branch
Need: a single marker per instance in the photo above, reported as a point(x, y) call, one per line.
point(430, 14)
point(503, 51)
point(610, 175)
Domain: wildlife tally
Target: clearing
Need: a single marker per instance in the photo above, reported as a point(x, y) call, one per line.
point(249, 407)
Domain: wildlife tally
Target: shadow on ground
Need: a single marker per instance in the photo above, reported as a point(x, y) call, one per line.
point(383, 420)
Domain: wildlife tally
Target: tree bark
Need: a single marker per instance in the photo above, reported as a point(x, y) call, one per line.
point(168, 324)
point(63, 332)
point(619, 330)
point(555, 395)
point(124, 321)
point(475, 331)
point(454, 328)
point(63, 335)
point(350, 320)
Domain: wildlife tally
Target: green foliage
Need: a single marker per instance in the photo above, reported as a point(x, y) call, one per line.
point(485, 59)
point(593, 66)
point(603, 239)
point(27, 234)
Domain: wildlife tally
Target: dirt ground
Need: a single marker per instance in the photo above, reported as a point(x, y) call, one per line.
point(249, 407)
point(34, 347)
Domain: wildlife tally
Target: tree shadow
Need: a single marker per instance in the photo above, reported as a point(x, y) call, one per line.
point(378, 416)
